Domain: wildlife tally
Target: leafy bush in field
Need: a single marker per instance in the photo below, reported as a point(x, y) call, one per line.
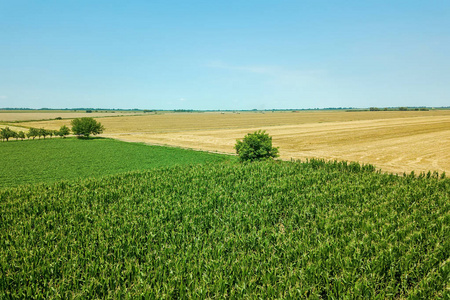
point(86, 126)
point(262, 230)
point(256, 146)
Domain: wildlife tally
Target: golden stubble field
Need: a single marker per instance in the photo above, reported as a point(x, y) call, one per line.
point(26, 115)
point(391, 140)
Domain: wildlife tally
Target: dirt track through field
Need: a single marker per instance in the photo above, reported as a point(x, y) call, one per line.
point(393, 141)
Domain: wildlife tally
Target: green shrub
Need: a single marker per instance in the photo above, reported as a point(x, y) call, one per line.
point(86, 126)
point(256, 146)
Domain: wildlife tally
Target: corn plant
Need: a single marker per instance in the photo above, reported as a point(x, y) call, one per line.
point(263, 230)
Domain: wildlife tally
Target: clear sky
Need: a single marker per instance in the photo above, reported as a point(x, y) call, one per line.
point(224, 54)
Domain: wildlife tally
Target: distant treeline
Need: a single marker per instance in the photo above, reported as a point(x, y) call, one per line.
point(90, 110)
point(399, 109)
point(74, 109)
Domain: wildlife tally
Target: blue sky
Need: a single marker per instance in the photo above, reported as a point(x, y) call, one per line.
point(224, 54)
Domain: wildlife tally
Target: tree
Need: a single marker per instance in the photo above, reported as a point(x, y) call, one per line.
point(7, 133)
point(63, 131)
point(86, 126)
point(21, 135)
point(33, 132)
point(256, 146)
point(43, 132)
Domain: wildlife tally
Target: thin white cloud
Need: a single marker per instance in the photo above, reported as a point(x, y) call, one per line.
point(3, 97)
point(276, 74)
point(250, 69)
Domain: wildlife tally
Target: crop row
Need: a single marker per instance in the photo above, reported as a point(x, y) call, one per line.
point(259, 230)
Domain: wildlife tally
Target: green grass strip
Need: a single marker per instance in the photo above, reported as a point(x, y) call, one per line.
point(53, 159)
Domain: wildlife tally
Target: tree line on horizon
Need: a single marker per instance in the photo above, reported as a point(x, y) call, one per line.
point(81, 127)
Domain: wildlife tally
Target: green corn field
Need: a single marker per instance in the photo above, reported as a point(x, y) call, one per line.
point(264, 230)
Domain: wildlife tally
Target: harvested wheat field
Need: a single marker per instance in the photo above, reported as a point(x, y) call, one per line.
point(393, 141)
point(15, 128)
point(29, 115)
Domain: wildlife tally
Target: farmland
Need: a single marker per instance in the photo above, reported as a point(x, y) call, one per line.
point(34, 161)
point(27, 115)
point(228, 230)
point(101, 218)
point(394, 141)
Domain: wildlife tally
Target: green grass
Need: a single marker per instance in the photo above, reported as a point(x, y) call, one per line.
point(49, 160)
point(261, 231)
